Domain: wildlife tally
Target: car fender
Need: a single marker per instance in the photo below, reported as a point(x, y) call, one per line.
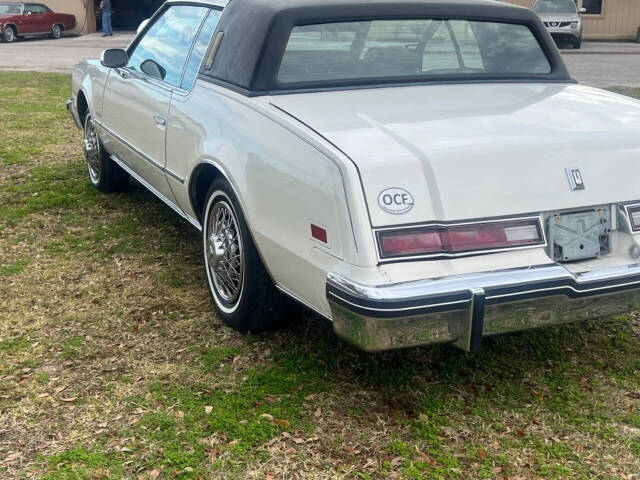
point(11, 24)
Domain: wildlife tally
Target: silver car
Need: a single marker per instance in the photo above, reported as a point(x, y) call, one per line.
point(562, 19)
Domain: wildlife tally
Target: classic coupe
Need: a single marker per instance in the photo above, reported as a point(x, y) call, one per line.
point(414, 171)
point(25, 19)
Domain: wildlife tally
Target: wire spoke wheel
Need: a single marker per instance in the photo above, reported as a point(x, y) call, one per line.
point(92, 151)
point(224, 252)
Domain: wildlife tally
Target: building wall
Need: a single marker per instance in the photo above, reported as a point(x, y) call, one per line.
point(82, 9)
point(620, 19)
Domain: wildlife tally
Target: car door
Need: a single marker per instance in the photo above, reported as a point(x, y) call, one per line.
point(48, 18)
point(28, 24)
point(137, 97)
point(39, 19)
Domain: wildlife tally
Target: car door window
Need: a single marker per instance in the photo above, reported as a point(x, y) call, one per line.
point(200, 49)
point(162, 52)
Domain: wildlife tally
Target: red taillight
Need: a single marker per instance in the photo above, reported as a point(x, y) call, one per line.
point(456, 239)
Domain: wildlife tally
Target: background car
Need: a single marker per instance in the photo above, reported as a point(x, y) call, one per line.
point(562, 19)
point(24, 19)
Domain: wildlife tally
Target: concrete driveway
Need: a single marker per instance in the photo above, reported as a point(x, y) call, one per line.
point(598, 64)
point(47, 55)
point(605, 64)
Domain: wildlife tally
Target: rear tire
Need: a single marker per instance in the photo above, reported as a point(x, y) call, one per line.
point(56, 32)
point(9, 35)
point(244, 295)
point(105, 174)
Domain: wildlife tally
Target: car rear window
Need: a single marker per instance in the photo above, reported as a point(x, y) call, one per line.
point(414, 50)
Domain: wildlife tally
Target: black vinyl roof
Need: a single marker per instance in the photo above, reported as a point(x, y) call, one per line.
point(255, 32)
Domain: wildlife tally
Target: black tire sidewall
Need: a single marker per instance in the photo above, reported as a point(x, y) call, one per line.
point(4, 35)
point(97, 184)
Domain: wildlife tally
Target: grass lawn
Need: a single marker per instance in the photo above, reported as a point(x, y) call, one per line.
point(113, 364)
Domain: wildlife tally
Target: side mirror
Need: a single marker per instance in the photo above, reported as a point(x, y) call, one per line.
point(582, 10)
point(142, 25)
point(114, 58)
point(152, 69)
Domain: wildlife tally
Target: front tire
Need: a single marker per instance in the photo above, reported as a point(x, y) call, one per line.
point(9, 35)
point(105, 174)
point(242, 291)
point(56, 32)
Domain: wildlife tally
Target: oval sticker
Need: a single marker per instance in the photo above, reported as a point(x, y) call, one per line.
point(395, 201)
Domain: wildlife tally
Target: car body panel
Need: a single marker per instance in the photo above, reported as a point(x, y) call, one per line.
point(132, 118)
point(448, 145)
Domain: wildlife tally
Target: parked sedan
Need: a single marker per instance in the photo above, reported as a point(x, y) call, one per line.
point(25, 19)
point(415, 172)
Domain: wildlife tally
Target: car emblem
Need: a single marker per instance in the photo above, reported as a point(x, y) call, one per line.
point(395, 201)
point(553, 24)
point(575, 178)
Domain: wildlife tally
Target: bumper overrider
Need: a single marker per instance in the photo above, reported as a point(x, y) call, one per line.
point(462, 309)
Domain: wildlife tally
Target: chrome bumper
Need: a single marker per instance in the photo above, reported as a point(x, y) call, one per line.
point(462, 309)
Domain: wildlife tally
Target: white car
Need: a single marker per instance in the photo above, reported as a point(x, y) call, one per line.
point(415, 172)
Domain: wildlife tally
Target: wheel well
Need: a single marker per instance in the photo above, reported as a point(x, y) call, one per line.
point(201, 180)
point(60, 25)
point(82, 106)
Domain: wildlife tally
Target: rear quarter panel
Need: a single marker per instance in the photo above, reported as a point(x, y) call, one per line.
point(284, 184)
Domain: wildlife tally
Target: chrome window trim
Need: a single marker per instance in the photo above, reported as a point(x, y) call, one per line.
point(441, 256)
point(181, 91)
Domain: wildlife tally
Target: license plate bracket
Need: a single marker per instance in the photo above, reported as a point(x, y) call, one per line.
point(579, 235)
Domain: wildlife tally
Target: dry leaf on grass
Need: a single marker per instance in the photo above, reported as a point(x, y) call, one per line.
point(282, 422)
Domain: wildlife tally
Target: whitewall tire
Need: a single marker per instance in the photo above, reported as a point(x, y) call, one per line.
point(241, 289)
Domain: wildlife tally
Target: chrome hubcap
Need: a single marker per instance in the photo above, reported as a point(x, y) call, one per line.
point(224, 252)
point(92, 151)
point(8, 35)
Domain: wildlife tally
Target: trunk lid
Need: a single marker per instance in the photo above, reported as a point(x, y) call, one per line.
point(467, 151)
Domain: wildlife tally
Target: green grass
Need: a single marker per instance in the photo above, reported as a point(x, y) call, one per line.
point(112, 364)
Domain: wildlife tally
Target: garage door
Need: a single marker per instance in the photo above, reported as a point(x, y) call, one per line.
point(127, 14)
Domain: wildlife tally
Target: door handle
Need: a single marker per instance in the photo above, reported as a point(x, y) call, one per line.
point(159, 120)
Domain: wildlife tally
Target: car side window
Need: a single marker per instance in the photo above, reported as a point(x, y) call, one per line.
point(162, 52)
point(200, 49)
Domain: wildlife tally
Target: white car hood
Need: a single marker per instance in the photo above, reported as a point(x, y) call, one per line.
point(481, 150)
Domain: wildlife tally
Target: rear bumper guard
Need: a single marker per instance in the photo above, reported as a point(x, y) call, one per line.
point(464, 308)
